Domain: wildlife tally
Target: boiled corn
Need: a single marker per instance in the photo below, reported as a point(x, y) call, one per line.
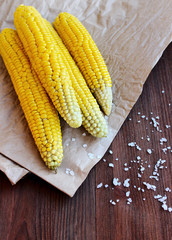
point(92, 117)
point(47, 62)
point(87, 56)
point(40, 113)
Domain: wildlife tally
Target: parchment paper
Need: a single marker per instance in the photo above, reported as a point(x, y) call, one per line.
point(131, 36)
point(12, 170)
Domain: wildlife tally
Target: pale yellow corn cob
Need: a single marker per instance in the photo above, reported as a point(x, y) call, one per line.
point(47, 62)
point(87, 56)
point(39, 111)
point(92, 117)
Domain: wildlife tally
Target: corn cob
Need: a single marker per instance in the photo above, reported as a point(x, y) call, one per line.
point(87, 56)
point(92, 117)
point(47, 62)
point(39, 111)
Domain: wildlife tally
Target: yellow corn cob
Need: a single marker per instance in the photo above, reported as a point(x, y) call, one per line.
point(87, 56)
point(40, 113)
point(92, 117)
point(47, 62)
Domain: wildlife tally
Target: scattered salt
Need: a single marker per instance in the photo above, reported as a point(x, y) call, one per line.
point(126, 183)
point(106, 185)
point(99, 185)
point(149, 151)
point(73, 139)
point(104, 160)
point(91, 155)
point(116, 182)
point(84, 145)
point(167, 126)
point(162, 140)
point(149, 186)
point(99, 157)
point(84, 134)
point(111, 165)
point(112, 202)
point(167, 189)
point(110, 151)
point(128, 194)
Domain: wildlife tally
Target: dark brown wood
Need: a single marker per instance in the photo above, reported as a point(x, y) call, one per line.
point(33, 209)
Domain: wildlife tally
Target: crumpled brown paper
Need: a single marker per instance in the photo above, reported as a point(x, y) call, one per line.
point(131, 36)
point(12, 170)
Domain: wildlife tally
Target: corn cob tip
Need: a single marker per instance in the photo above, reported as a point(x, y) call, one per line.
point(104, 98)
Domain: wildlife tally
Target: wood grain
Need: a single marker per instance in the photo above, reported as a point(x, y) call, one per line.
point(33, 209)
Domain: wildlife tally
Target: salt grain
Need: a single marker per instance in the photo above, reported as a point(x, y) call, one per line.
point(110, 151)
point(167, 189)
point(112, 202)
point(149, 186)
point(84, 134)
point(111, 165)
point(99, 185)
point(126, 183)
point(149, 151)
point(128, 194)
point(116, 182)
point(84, 145)
point(90, 155)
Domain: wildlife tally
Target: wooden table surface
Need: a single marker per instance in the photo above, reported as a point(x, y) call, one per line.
point(33, 209)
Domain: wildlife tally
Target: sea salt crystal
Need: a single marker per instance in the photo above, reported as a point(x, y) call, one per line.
point(138, 157)
point(67, 144)
point(91, 155)
point(129, 119)
point(157, 196)
point(149, 151)
point(163, 91)
point(112, 202)
point(144, 199)
point(116, 159)
point(143, 116)
point(126, 183)
point(139, 175)
point(125, 164)
point(167, 126)
point(128, 194)
point(155, 123)
point(149, 186)
point(106, 185)
point(116, 182)
point(110, 151)
point(132, 144)
point(111, 165)
point(126, 169)
point(99, 157)
point(70, 172)
point(84, 134)
point(157, 117)
point(138, 148)
point(104, 160)
point(154, 177)
point(167, 189)
point(164, 206)
point(99, 185)
point(170, 209)
point(138, 121)
point(129, 200)
point(84, 145)
point(162, 140)
point(73, 139)
point(162, 199)
point(138, 113)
